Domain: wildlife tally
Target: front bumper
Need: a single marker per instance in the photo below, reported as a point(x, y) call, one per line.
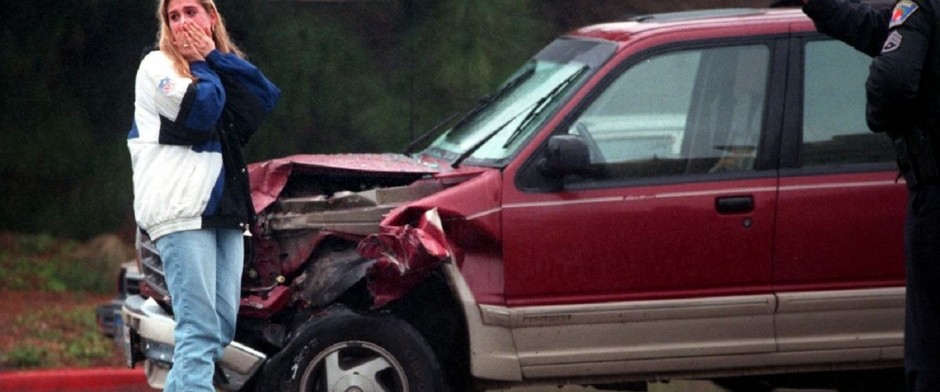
point(148, 335)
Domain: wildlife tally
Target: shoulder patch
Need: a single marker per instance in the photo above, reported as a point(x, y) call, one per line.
point(892, 43)
point(166, 85)
point(902, 10)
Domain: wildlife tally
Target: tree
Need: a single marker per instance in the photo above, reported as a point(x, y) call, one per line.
point(62, 162)
point(463, 49)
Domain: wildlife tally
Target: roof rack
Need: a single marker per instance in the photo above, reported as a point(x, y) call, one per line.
point(695, 14)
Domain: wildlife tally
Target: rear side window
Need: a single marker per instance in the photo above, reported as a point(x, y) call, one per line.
point(687, 112)
point(834, 128)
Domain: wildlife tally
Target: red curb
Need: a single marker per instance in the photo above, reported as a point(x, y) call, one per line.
point(75, 380)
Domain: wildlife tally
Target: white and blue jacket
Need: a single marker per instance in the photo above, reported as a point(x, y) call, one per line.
point(186, 142)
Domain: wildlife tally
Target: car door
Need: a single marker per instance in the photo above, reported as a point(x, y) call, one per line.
point(838, 254)
point(663, 250)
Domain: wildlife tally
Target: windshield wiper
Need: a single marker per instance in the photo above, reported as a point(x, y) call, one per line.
point(540, 105)
point(429, 134)
point(476, 146)
point(532, 110)
point(487, 100)
point(480, 105)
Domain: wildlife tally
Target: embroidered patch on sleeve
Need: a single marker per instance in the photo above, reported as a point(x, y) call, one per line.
point(892, 43)
point(902, 10)
point(166, 85)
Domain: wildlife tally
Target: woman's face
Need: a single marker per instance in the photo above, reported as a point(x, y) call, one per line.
point(179, 12)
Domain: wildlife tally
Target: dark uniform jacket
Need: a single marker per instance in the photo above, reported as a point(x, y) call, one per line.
point(904, 77)
point(904, 82)
point(859, 25)
point(903, 87)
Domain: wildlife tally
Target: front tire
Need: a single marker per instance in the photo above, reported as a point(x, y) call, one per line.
point(345, 350)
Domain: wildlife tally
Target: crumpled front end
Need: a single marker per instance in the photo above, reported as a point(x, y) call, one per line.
point(457, 224)
point(404, 256)
point(308, 234)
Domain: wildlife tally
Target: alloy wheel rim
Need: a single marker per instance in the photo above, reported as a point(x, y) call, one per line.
point(354, 366)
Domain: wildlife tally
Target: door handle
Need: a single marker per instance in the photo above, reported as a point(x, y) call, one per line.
point(734, 204)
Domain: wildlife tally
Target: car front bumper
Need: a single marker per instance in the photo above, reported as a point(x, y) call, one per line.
point(148, 335)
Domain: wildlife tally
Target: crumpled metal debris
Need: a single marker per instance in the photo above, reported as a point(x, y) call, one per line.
point(405, 255)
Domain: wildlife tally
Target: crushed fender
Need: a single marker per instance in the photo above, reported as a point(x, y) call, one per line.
point(404, 256)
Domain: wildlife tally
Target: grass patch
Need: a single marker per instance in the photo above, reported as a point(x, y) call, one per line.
point(45, 263)
point(52, 287)
point(57, 336)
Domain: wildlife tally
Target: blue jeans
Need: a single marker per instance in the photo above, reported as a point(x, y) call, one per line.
point(203, 271)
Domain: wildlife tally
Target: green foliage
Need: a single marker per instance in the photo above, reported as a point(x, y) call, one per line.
point(333, 97)
point(342, 95)
point(464, 49)
point(62, 154)
point(23, 356)
point(53, 337)
point(43, 263)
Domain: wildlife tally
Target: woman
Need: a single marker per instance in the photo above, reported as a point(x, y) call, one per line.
point(197, 101)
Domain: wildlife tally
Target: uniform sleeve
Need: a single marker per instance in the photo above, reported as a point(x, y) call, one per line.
point(895, 74)
point(859, 25)
point(189, 110)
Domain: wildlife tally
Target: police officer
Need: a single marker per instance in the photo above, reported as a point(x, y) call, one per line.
point(860, 25)
point(903, 91)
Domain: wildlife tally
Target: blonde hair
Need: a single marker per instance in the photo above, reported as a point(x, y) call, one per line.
point(223, 42)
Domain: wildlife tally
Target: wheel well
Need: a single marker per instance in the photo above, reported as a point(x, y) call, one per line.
point(430, 307)
point(433, 310)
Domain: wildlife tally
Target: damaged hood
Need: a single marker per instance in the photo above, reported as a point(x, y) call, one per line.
point(268, 178)
point(391, 205)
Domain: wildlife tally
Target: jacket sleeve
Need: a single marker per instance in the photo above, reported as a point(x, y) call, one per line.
point(188, 110)
point(251, 96)
point(895, 74)
point(861, 26)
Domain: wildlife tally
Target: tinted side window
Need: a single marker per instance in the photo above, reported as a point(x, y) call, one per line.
point(685, 112)
point(834, 128)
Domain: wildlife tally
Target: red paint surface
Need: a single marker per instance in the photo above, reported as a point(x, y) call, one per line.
point(75, 380)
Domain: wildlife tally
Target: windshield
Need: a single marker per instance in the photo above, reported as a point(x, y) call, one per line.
point(499, 126)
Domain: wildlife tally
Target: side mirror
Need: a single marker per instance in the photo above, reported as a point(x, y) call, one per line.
point(566, 154)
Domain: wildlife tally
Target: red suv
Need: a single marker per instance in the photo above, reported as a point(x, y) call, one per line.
point(687, 195)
